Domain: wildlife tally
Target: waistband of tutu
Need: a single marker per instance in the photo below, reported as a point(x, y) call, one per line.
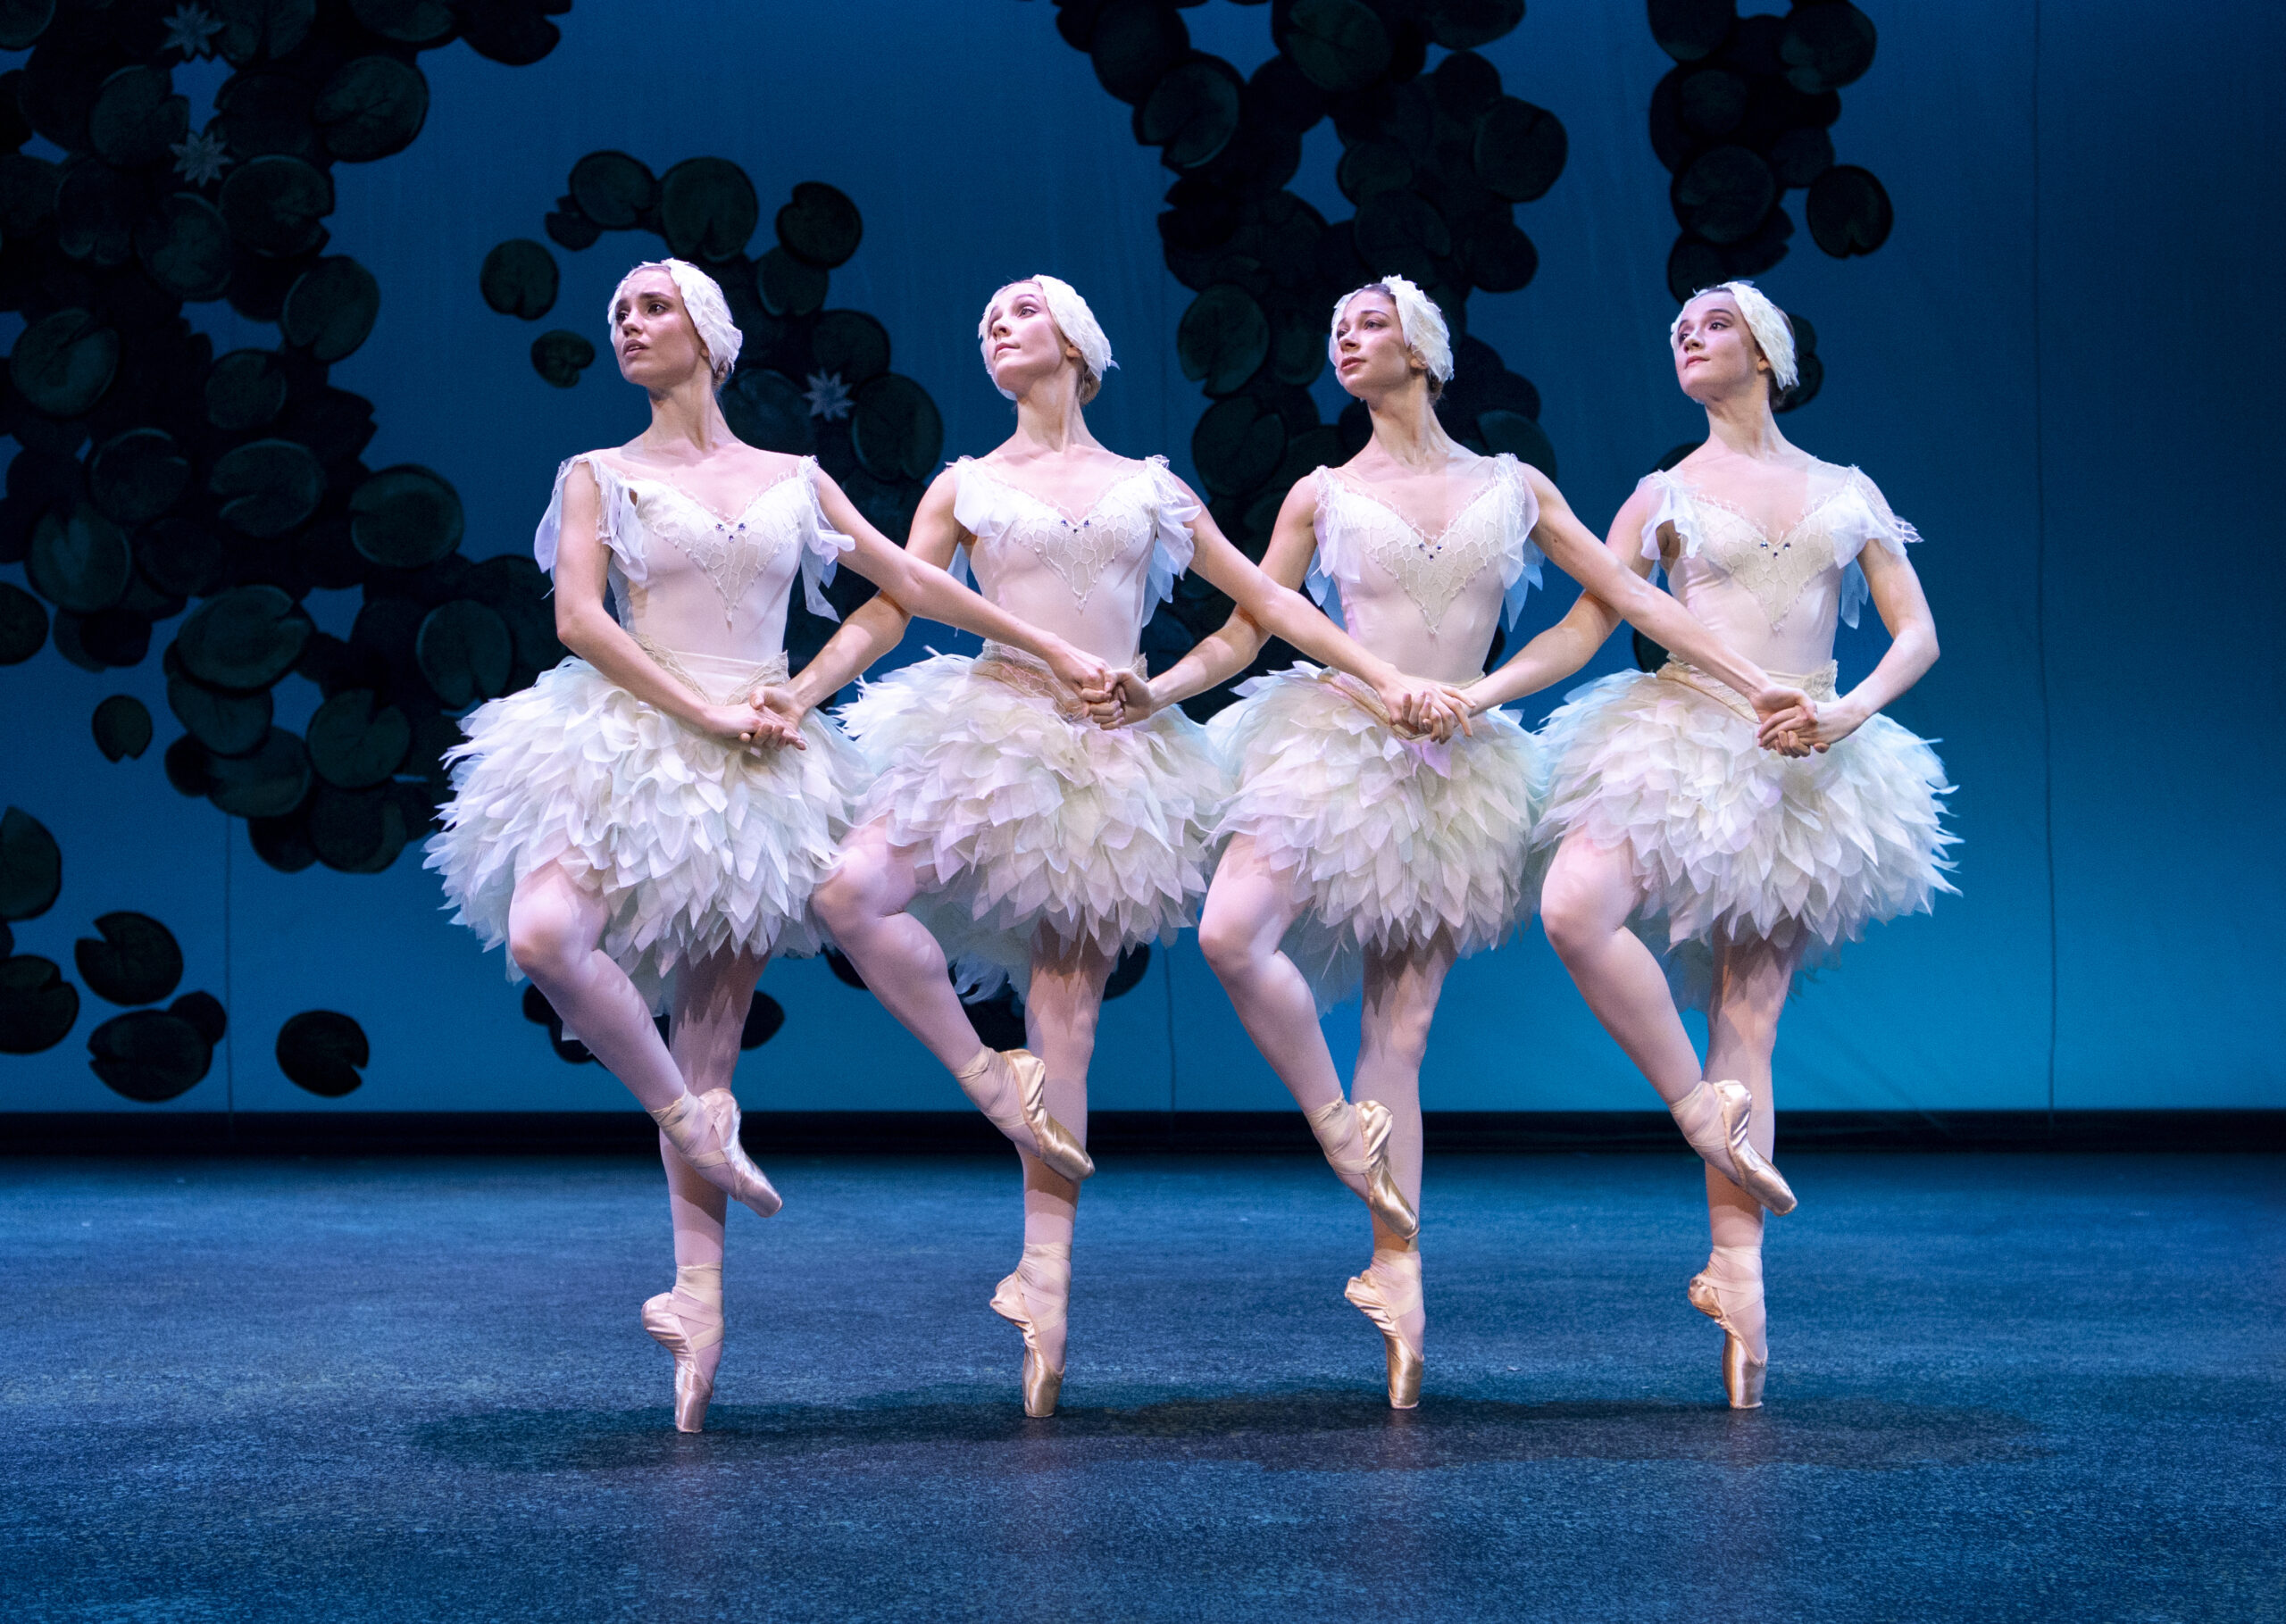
point(1029, 674)
point(715, 678)
point(1819, 684)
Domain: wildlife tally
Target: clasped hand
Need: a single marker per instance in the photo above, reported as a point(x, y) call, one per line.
point(766, 717)
point(1417, 709)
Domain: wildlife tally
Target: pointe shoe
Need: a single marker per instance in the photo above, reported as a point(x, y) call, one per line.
point(1386, 1301)
point(1050, 1262)
point(1746, 1361)
point(1714, 1117)
point(707, 1137)
point(1009, 1087)
point(687, 1322)
point(1338, 1126)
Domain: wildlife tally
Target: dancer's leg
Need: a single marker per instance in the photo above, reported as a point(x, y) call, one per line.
point(711, 997)
point(1751, 982)
point(1401, 994)
point(863, 903)
point(1061, 1010)
point(556, 929)
point(1590, 894)
point(1249, 908)
point(1401, 991)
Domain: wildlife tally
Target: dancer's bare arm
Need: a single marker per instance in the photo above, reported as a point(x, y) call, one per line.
point(585, 626)
point(1598, 570)
point(1912, 651)
point(1272, 607)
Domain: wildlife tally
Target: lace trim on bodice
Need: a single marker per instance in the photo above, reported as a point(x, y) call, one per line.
point(1140, 508)
point(729, 551)
point(1777, 569)
point(1492, 529)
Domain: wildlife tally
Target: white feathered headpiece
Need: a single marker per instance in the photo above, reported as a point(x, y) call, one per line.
point(1072, 319)
point(1773, 334)
point(709, 312)
point(1418, 321)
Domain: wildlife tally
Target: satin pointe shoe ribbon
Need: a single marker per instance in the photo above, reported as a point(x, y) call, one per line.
point(1356, 1142)
point(1035, 1298)
point(687, 1322)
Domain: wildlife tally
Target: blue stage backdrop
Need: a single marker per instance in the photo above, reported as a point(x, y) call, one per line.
point(2058, 365)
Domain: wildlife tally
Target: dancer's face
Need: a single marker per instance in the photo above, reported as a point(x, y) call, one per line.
point(1022, 341)
point(1371, 357)
point(652, 336)
point(1716, 354)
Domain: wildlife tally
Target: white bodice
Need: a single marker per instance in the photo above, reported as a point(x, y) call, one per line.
point(1429, 604)
point(1091, 577)
point(696, 582)
point(1776, 599)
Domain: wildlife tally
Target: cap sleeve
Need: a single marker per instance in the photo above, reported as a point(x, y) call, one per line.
point(1174, 511)
point(616, 518)
point(1520, 564)
point(823, 546)
point(982, 506)
point(1863, 515)
point(1676, 507)
point(1335, 560)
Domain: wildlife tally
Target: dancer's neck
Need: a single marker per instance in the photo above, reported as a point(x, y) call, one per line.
point(1744, 426)
point(1406, 430)
point(687, 423)
point(1049, 422)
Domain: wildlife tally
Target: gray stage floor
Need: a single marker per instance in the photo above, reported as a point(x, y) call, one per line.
point(2042, 1387)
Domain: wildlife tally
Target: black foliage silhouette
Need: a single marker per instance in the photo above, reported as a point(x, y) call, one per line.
point(154, 477)
point(1745, 117)
point(1434, 163)
point(809, 380)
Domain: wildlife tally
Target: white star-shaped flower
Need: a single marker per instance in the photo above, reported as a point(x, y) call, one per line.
point(829, 396)
point(201, 158)
point(191, 31)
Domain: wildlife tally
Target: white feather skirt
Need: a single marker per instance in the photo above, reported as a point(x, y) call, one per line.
point(1730, 841)
point(1029, 823)
point(1388, 843)
point(696, 843)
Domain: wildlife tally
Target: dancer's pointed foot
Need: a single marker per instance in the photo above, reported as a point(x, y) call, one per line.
point(1714, 1117)
point(1355, 1141)
point(1389, 1293)
point(1035, 1299)
point(703, 1129)
point(1009, 1087)
point(1729, 1292)
point(688, 1322)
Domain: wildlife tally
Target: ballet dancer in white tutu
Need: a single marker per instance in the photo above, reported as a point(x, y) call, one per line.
point(1745, 844)
point(635, 825)
point(1361, 850)
point(1004, 826)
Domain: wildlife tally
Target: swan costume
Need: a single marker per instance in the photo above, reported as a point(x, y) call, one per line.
point(1391, 842)
point(1027, 818)
point(1730, 840)
point(696, 844)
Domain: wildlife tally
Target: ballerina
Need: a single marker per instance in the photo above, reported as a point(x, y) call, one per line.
point(1004, 826)
point(1756, 842)
point(634, 825)
point(1359, 854)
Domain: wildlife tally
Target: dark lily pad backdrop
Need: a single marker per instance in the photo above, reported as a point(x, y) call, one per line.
point(304, 303)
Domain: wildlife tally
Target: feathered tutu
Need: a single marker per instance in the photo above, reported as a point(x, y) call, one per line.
point(1028, 820)
point(1732, 841)
point(1388, 842)
point(696, 843)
